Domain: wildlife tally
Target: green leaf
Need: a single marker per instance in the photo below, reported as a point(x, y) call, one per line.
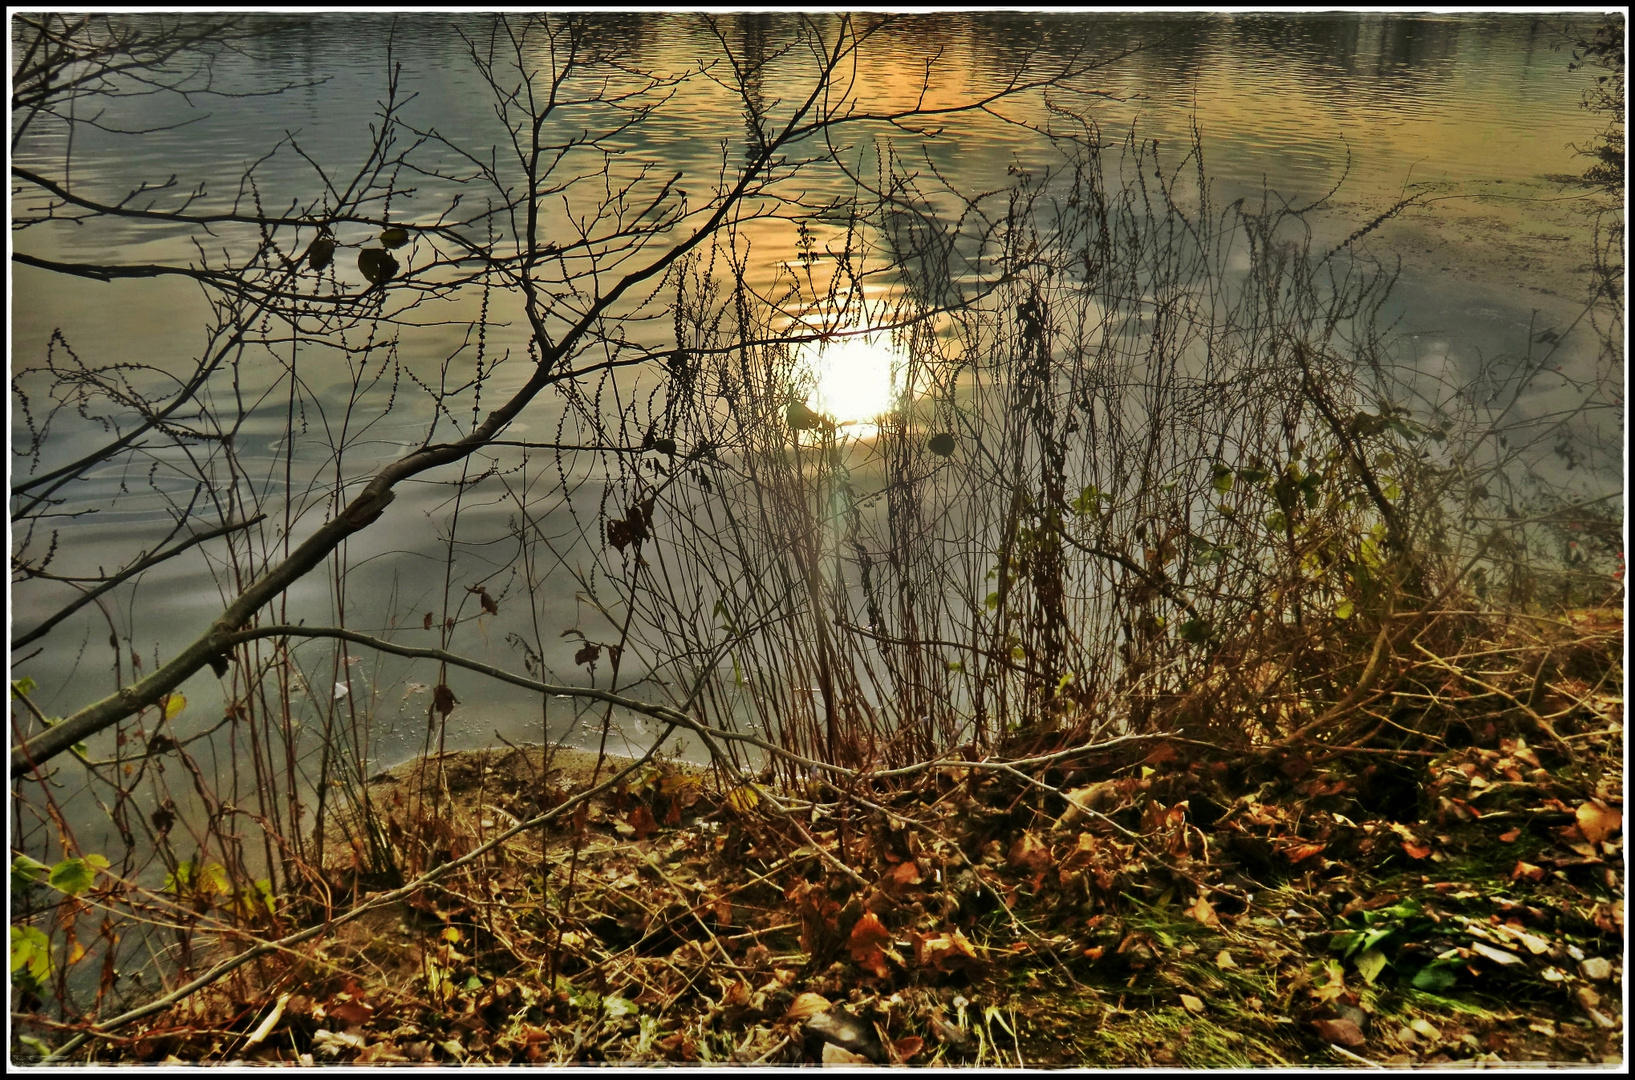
point(1088, 501)
point(1345, 609)
point(73, 876)
point(1437, 977)
point(1372, 939)
point(30, 955)
point(25, 872)
point(1221, 476)
point(1403, 909)
point(211, 880)
point(1195, 631)
point(1310, 487)
point(38, 1046)
point(394, 236)
point(173, 705)
point(1276, 522)
point(25, 685)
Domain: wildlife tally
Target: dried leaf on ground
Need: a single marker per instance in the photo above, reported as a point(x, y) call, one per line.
point(1597, 821)
point(1344, 1032)
point(869, 942)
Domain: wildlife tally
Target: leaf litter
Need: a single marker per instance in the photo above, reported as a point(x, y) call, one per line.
point(1146, 902)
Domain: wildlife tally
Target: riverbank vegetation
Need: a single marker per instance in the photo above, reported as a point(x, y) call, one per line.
point(1166, 672)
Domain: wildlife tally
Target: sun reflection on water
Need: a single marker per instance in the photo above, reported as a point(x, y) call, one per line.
point(855, 378)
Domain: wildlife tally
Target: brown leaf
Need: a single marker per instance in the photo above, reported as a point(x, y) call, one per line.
point(805, 1006)
point(1415, 849)
point(1344, 1032)
point(641, 819)
point(350, 1013)
point(490, 605)
point(944, 952)
point(1528, 871)
point(1028, 851)
point(904, 1049)
point(1201, 911)
point(817, 911)
point(1509, 836)
point(587, 654)
point(633, 528)
point(443, 699)
point(1597, 820)
point(426, 622)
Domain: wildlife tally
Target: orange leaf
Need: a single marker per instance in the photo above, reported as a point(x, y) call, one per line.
point(865, 941)
point(1527, 870)
point(904, 873)
point(1201, 911)
point(1302, 852)
point(1416, 850)
point(1597, 820)
point(1509, 836)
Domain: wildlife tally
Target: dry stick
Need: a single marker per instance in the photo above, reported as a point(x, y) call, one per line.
point(1370, 675)
point(233, 963)
point(1526, 707)
point(128, 573)
point(666, 714)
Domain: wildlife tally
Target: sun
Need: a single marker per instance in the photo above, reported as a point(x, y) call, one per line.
point(856, 378)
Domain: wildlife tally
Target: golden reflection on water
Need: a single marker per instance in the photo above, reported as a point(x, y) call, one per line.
point(854, 378)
